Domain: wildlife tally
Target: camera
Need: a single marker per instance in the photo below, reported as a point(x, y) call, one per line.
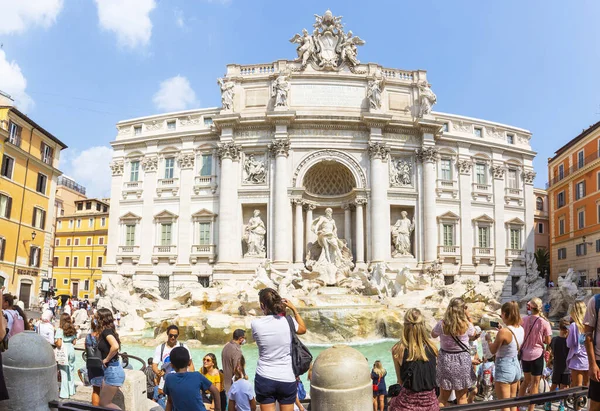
point(494, 324)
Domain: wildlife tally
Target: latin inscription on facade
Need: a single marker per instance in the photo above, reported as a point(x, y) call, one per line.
point(327, 95)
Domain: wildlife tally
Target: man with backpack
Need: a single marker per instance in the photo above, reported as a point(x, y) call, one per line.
point(161, 363)
point(592, 346)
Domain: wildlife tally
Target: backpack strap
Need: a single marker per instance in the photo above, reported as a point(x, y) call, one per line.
point(162, 350)
point(530, 329)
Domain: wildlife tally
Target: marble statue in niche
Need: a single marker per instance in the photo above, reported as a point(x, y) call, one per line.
point(280, 89)
point(255, 170)
point(226, 93)
point(254, 236)
point(401, 232)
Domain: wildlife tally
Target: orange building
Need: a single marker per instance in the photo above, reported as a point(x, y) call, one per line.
point(574, 198)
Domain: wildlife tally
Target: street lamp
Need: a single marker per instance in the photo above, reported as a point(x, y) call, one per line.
point(33, 234)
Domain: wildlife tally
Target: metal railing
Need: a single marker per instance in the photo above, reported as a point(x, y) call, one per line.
point(124, 358)
point(574, 168)
point(75, 406)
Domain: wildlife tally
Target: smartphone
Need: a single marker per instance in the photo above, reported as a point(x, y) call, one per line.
point(494, 324)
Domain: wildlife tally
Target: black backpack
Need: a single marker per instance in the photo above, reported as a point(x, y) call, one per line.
point(301, 357)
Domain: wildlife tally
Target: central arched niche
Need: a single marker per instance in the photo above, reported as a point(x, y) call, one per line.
point(328, 178)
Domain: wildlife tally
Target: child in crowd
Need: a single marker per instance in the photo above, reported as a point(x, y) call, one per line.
point(183, 389)
point(241, 393)
point(561, 375)
point(485, 377)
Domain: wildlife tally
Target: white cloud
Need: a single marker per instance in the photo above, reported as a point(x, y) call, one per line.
point(179, 19)
point(13, 82)
point(89, 168)
point(128, 19)
point(174, 94)
point(18, 15)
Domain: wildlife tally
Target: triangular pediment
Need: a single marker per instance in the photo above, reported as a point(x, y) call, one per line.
point(130, 216)
point(484, 218)
point(165, 214)
point(515, 221)
point(204, 213)
point(448, 216)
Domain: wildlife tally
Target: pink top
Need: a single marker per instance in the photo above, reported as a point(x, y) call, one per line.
point(535, 332)
point(447, 343)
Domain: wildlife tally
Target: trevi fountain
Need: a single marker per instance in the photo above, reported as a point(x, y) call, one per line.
point(330, 180)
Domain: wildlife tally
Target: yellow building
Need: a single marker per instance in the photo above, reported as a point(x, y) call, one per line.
point(80, 249)
point(28, 177)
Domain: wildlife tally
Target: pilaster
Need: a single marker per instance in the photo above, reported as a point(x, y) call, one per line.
point(380, 210)
point(428, 155)
point(229, 247)
point(498, 171)
point(282, 231)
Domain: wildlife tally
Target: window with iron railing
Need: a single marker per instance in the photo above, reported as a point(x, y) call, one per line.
point(14, 133)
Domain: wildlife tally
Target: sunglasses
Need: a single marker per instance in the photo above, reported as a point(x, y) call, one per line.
point(207, 360)
point(173, 335)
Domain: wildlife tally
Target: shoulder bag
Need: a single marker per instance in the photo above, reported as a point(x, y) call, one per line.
point(376, 386)
point(519, 350)
point(93, 356)
point(60, 354)
point(301, 357)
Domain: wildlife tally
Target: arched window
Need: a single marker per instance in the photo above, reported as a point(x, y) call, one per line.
point(539, 204)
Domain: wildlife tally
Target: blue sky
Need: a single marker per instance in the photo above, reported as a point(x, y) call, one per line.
point(79, 66)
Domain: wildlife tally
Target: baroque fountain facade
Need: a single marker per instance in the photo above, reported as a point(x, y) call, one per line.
point(330, 179)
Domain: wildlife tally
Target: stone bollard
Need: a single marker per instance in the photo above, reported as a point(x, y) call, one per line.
point(341, 380)
point(134, 391)
point(30, 373)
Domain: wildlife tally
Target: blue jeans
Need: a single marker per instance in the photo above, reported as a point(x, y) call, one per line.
point(160, 398)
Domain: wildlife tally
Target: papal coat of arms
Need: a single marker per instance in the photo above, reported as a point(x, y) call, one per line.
point(329, 47)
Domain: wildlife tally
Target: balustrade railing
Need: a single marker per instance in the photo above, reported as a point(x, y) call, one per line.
point(574, 168)
point(513, 191)
point(168, 182)
point(483, 251)
point(132, 185)
point(448, 250)
point(129, 249)
point(514, 252)
point(257, 69)
point(398, 74)
point(165, 249)
point(203, 180)
point(481, 187)
point(203, 249)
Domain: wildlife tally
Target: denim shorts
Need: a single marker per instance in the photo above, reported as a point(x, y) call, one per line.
point(96, 381)
point(269, 391)
point(114, 374)
point(508, 370)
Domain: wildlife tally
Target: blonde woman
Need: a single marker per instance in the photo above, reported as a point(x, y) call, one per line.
point(506, 349)
point(538, 333)
point(577, 360)
point(415, 361)
point(454, 367)
point(378, 374)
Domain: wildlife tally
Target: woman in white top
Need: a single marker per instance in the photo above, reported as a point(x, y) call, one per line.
point(275, 380)
point(45, 328)
point(506, 348)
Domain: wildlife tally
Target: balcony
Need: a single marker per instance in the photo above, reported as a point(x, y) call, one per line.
point(449, 252)
point(514, 254)
point(204, 251)
point(130, 252)
point(204, 182)
point(167, 185)
point(483, 254)
point(132, 187)
point(446, 186)
point(574, 168)
point(481, 190)
point(513, 194)
point(164, 251)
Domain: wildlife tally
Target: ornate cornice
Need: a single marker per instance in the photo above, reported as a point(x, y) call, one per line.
point(228, 150)
point(379, 150)
point(279, 147)
point(117, 167)
point(427, 153)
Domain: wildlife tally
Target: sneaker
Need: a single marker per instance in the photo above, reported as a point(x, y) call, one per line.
point(548, 406)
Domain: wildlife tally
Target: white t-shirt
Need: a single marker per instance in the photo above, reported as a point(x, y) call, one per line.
point(591, 319)
point(165, 361)
point(46, 330)
point(272, 335)
point(52, 303)
point(11, 314)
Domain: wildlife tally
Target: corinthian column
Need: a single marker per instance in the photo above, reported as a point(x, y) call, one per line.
point(348, 224)
point(229, 249)
point(298, 232)
point(428, 155)
point(282, 212)
point(380, 210)
point(309, 237)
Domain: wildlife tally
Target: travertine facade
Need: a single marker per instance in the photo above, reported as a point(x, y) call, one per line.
point(323, 131)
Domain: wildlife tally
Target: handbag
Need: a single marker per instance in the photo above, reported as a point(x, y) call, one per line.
point(376, 386)
point(60, 354)
point(301, 357)
point(394, 390)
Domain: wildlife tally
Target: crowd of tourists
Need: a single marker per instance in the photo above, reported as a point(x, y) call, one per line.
point(517, 358)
